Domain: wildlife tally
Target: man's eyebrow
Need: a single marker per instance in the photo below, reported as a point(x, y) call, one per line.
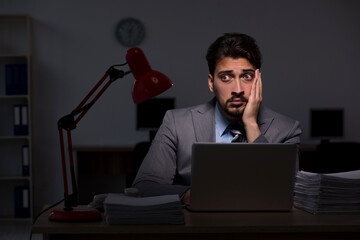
point(231, 71)
point(248, 70)
point(225, 71)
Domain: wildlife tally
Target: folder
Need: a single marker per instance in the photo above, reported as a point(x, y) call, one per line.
point(10, 89)
point(24, 120)
point(25, 160)
point(16, 79)
point(17, 120)
point(21, 202)
point(21, 119)
point(23, 86)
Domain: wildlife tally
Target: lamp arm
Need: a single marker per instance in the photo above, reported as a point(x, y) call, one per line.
point(69, 122)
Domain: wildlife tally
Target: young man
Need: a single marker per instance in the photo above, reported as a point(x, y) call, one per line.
point(234, 62)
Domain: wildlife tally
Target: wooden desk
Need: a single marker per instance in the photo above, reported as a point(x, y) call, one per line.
point(295, 224)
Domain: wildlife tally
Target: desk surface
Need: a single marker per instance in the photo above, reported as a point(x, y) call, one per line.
point(295, 224)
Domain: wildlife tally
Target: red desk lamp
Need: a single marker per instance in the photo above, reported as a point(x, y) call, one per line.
point(148, 84)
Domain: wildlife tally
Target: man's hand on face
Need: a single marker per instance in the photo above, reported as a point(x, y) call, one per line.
point(252, 108)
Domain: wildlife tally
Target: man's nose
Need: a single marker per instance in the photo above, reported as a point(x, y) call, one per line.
point(237, 86)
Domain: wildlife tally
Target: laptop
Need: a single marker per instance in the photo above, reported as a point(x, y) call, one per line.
point(242, 177)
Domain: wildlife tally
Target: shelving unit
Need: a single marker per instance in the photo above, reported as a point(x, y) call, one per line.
point(15, 147)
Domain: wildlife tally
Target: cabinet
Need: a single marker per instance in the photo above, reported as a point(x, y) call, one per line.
point(15, 118)
point(103, 170)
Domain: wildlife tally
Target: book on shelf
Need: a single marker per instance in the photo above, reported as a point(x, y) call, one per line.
point(21, 202)
point(16, 79)
point(25, 160)
point(21, 121)
point(122, 209)
point(327, 193)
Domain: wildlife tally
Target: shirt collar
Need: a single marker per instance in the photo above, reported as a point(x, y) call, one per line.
point(221, 122)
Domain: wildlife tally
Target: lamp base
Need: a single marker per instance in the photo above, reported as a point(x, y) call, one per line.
point(78, 214)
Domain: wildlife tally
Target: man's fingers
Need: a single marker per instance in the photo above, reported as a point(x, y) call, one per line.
point(259, 88)
point(256, 90)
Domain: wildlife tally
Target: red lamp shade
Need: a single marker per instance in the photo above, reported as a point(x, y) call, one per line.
point(148, 83)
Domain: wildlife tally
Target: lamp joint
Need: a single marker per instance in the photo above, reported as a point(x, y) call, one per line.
point(115, 74)
point(67, 122)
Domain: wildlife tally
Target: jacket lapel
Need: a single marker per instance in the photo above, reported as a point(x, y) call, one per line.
point(204, 122)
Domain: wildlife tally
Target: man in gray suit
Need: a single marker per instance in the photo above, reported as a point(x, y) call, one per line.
point(234, 62)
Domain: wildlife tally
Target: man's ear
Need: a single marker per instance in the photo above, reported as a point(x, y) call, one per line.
point(211, 83)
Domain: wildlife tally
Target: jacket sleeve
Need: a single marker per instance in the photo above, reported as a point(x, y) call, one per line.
point(294, 134)
point(289, 132)
point(158, 169)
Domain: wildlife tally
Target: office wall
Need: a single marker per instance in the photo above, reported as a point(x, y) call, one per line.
point(310, 48)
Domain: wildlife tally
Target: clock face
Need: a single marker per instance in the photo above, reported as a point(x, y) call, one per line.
point(130, 32)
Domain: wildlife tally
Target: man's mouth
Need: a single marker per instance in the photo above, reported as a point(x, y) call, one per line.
point(235, 102)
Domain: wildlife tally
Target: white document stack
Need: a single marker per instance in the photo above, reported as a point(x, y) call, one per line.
point(122, 209)
point(328, 193)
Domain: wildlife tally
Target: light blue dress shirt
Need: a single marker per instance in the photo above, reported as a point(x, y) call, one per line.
point(223, 135)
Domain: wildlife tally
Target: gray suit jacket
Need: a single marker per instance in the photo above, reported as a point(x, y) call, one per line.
point(166, 168)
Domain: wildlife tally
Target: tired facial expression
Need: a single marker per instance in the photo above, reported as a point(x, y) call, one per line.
point(231, 84)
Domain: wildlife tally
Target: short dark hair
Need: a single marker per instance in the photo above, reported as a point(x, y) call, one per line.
point(235, 45)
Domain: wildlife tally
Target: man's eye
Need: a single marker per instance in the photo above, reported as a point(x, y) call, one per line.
point(248, 76)
point(225, 77)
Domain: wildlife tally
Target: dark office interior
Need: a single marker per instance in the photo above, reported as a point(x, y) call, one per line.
point(311, 54)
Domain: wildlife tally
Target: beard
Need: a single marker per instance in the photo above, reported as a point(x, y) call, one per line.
point(233, 112)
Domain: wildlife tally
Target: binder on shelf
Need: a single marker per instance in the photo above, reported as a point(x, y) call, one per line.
point(9, 83)
point(16, 79)
point(21, 202)
point(25, 160)
point(17, 119)
point(21, 121)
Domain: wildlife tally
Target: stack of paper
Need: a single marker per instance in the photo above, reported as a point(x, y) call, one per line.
point(122, 209)
point(328, 193)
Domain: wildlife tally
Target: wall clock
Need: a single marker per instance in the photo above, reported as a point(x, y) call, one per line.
point(130, 32)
